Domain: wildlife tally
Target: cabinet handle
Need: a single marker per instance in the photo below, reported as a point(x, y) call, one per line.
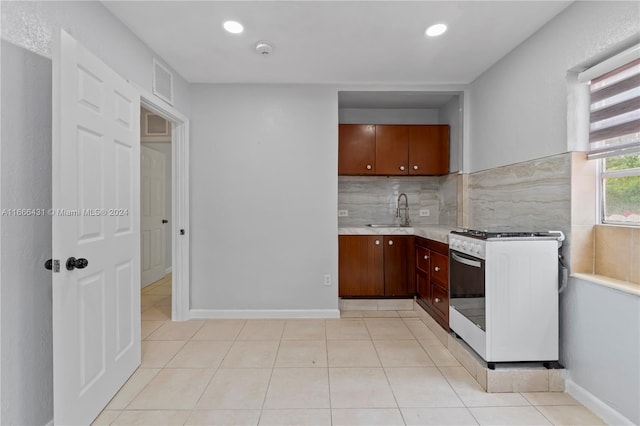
point(415, 167)
point(368, 166)
point(437, 300)
point(426, 257)
point(390, 242)
point(402, 168)
point(377, 242)
point(437, 268)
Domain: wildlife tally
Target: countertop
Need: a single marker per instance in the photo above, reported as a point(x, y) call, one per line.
point(432, 232)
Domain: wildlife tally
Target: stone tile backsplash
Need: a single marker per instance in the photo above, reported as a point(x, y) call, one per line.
point(372, 199)
point(533, 195)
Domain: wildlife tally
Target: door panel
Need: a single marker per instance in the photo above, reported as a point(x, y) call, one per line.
point(399, 266)
point(153, 190)
point(429, 150)
point(96, 197)
point(392, 146)
point(356, 149)
point(360, 271)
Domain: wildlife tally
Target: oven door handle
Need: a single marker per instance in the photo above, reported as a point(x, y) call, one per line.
point(469, 262)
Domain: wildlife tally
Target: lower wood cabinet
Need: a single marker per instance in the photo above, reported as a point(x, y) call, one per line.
point(432, 278)
point(376, 266)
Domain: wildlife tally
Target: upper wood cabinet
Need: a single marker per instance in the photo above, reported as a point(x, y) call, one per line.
point(429, 150)
point(356, 149)
point(393, 150)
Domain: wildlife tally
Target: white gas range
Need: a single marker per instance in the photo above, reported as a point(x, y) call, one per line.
point(504, 293)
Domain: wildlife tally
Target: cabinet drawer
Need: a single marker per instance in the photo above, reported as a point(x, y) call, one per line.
point(422, 259)
point(440, 299)
point(440, 268)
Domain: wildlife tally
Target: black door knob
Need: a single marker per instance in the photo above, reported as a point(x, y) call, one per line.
point(165, 221)
point(48, 264)
point(73, 263)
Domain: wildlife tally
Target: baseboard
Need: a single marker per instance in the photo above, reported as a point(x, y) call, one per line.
point(589, 400)
point(263, 313)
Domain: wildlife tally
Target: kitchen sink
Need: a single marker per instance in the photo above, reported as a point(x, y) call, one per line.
point(387, 225)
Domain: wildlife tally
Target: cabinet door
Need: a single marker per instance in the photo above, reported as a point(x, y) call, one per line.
point(392, 150)
point(356, 149)
point(429, 150)
point(399, 266)
point(360, 265)
point(423, 286)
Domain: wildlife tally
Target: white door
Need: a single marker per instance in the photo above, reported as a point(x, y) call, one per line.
point(152, 206)
point(96, 198)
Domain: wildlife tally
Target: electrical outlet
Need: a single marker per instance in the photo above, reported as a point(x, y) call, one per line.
point(425, 212)
point(327, 279)
point(343, 213)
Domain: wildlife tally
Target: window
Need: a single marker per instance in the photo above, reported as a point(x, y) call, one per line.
point(614, 135)
point(620, 189)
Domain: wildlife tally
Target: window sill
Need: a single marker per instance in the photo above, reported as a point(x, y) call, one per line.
point(624, 286)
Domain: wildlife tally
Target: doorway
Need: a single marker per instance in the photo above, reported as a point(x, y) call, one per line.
point(156, 198)
point(155, 222)
point(176, 280)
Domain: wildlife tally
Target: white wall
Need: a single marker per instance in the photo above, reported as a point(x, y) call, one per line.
point(264, 162)
point(35, 26)
point(518, 107)
point(165, 148)
point(519, 113)
point(451, 114)
point(600, 336)
point(27, 381)
point(25, 242)
point(389, 116)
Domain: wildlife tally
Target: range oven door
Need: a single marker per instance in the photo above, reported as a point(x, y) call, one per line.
point(467, 287)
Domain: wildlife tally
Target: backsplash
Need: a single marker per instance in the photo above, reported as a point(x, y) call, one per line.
point(448, 197)
point(533, 195)
point(372, 199)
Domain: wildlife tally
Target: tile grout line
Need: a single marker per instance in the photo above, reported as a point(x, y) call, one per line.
point(264, 400)
point(395, 398)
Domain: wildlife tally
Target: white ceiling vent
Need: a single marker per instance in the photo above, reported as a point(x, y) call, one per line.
point(162, 82)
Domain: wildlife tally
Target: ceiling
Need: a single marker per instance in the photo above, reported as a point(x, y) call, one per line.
point(348, 42)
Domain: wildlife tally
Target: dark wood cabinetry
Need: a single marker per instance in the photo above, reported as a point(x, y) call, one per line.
point(393, 150)
point(399, 269)
point(376, 265)
point(361, 265)
point(356, 149)
point(428, 150)
point(432, 278)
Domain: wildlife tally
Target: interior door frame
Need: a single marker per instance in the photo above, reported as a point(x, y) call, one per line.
point(180, 287)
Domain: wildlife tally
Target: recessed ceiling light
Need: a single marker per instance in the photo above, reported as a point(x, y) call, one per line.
point(436, 30)
point(233, 27)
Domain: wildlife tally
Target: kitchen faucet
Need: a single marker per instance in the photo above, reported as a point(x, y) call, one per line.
point(406, 221)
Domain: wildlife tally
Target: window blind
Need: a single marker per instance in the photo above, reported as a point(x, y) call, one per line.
point(615, 108)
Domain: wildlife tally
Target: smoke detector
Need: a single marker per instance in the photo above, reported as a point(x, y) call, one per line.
point(264, 48)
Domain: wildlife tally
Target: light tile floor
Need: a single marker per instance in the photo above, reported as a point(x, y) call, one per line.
point(361, 369)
